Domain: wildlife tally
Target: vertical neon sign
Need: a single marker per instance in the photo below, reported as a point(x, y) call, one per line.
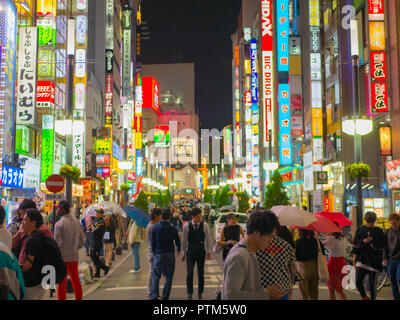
point(285, 138)
point(267, 69)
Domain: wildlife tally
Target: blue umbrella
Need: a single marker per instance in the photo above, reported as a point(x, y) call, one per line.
point(137, 214)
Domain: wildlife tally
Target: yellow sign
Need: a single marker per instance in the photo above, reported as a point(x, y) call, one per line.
point(247, 66)
point(46, 7)
point(386, 141)
point(138, 140)
point(26, 9)
point(314, 13)
point(103, 146)
point(115, 166)
point(317, 125)
point(377, 36)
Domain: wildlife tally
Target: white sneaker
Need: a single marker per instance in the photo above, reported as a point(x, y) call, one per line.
point(134, 271)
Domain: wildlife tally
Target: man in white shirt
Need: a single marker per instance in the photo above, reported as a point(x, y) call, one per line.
point(196, 247)
point(5, 236)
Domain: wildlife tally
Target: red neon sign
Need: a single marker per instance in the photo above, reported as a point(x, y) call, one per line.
point(151, 93)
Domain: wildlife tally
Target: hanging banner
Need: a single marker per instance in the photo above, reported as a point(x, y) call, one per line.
point(26, 93)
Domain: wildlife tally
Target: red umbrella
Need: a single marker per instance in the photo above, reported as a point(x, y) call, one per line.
point(321, 225)
point(338, 217)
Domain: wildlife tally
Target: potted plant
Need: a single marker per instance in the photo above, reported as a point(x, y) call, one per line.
point(358, 170)
point(71, 172)
point(125, 187)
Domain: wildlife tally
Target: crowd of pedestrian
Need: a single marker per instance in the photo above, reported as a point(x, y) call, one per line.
point(264, 261)
point(29, 248)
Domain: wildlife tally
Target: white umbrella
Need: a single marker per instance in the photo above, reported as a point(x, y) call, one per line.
point(292, 216)
point(108, 207)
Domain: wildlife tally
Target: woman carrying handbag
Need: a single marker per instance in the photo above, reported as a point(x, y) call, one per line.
point(310, 264)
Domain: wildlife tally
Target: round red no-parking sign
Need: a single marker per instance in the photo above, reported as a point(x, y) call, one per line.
point(55, 183)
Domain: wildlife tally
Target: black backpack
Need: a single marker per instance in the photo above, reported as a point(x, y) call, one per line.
point(52, 256)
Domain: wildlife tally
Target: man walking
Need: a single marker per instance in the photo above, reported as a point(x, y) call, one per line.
point(68, 234)
point(196, 245)
point(98, 234)
point(186, 213)
point(242, 280)
point(155, 218)
point(369, 243)
point(392, 253)
point(163, 237)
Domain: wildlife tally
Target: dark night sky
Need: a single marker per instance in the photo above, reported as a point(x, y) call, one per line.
point(200, 30)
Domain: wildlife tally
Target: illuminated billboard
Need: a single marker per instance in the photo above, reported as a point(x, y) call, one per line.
point(227, 140)
point(378, 61)
point(316, 79)
point(26, 78)
point(8, 54)
point(47, 146)
point(268, 69)
point(162, 137)
point(282, 7)
point(45, 94)
point(151, 93)
point(126, 50)
point(285, 138)
point(254, 71)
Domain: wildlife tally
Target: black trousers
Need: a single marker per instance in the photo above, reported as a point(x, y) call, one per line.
point(361, 273)
point(195, 257)
point(95, 256)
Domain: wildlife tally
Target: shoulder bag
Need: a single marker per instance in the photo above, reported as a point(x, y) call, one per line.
point(323, 273)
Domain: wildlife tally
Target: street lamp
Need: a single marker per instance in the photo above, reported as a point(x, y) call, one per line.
point(356, 125)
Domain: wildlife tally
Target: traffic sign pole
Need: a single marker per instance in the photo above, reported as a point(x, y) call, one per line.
point(55, 184)
point(54, 216)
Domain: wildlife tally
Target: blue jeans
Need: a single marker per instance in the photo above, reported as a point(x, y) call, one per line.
point(135, 253)
point(285, 297)
point(164, 264)
point(394, 274)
